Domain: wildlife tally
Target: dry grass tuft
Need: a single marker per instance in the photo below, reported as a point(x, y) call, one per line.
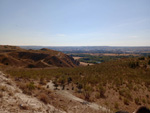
point(1, 94)
point(44, 98)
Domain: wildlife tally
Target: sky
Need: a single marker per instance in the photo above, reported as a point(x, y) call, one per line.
point(75, 22)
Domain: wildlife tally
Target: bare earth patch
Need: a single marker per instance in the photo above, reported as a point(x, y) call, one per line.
point(12, 100)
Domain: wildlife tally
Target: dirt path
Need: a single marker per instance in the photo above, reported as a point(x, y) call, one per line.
point(46, 63)
point(70, 96)
point(12, 100)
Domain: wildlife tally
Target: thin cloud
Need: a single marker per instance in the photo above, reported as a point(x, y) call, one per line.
point(133, 36)
point(60, 35)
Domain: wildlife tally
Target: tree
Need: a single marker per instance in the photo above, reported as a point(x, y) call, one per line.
point(55, 85)
point(69, 80)
point(79, 86)
point(149, 62)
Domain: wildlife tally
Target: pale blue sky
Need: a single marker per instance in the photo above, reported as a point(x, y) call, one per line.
point(75, 22)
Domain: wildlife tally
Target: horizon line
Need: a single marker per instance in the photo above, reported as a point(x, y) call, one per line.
point(73, 46)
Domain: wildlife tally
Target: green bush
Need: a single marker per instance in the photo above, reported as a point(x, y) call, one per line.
point(116, 105)
point(44, 98)
point(126, 101)
point(149, 62)
point(79, 86)
point(137, 101)
point(102, 91)
point(142, 58)
point(87, 92)
point(31, 86)
point(133, 64)
point(126, 93)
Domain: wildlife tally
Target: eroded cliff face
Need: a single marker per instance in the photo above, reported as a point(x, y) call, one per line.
point(35, 58)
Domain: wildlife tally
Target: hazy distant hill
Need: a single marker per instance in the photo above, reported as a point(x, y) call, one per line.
point(94, 49)
point(15, 56)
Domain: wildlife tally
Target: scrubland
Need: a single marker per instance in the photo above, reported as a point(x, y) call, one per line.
point(122, 84)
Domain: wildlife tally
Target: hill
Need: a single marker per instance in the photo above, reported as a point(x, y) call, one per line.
point(15, 56)
point(141, 50)
point(13, 100)
point(122, 84)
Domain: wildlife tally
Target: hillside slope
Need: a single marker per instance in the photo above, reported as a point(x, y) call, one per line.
point(118, 85)
point(12, 100)
point(15, 56)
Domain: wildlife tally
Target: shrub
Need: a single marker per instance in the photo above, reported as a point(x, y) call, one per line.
point(87, 92)
point(135, 88)
point(147, 96)
point(116, 105)
point(126, 101)
point(143, 100)
point(55, 85)
point(130, 85)
point(1, 94)
point(142, 58)
point(149, 62)
point(31, 66)
point(6, 63)
point(11, 93)
point(102, 91)
point(69, 80)
point(27, 88)
point(133, 64)
point(79, 86)
point(42, 81)
point(44, 98)
point(97, 95)
point(31, 86)
point(61, 80)
point(137, 101)
point(148, 101)
point(3, 88)
point(125, 93)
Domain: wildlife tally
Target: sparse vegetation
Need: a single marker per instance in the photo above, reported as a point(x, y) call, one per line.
point(149, 62)
point(116, 105)
point(137, 101)
point(98, 59)
point(79, 86)
point(27, 88)
point(133, 64)
point(3, 88)
point(1, 94)
point(123, 77)
point(142, 58)
point(102, 91)
point(44, 98)
point(126, 101)
point(87, 92)
point(31, 86)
